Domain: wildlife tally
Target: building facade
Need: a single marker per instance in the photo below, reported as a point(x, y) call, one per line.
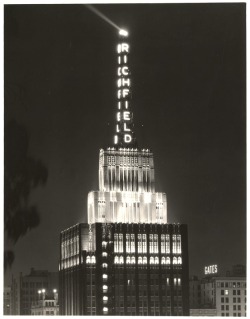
point(230, 296)
point(47, 303)
point(126, 260)
point(7, 301)
point(24, 289)
point(226, 295)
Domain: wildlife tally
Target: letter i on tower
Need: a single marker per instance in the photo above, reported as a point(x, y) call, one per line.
point(124, 125)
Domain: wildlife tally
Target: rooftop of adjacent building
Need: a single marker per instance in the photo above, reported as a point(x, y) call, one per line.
point(237, 272)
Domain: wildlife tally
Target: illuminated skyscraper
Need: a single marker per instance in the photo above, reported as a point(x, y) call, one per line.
point(127, 260)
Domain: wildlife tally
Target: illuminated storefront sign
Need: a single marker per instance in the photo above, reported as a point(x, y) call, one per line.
point(210, 270)
point(123, 116)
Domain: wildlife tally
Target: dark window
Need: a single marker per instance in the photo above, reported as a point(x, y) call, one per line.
point(234, 299)
point(222, 292)
point(239, 307)
point(222, 299)
point(234, 292)
point(222, 307)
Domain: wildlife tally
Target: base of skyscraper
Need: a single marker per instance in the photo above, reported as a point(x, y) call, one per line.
point(124, 269)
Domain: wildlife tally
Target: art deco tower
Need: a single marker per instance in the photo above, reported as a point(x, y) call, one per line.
point(126, 260)
point(126, 174)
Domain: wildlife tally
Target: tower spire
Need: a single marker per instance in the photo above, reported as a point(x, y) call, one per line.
point(124, 127)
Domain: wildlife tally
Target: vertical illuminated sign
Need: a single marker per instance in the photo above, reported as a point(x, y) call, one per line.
point(123, 134)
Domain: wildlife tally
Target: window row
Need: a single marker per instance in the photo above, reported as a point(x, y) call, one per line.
point(142, 243)
point(144, 260)
point(231, 284)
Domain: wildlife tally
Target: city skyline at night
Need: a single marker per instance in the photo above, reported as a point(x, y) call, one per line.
point(188, 107)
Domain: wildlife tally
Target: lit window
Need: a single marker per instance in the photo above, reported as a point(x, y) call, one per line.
point(144, 243)
point(174, 260)
point(168, 260)
point(132, 243)
point(226, 292)
point(93, 259)
point(128, 260)
point(167, 244)
point(105, 276)
point(133, 260)
point(163, 245)
point(88, 260)
point(156, 260)
point(151, 260)
point(116, 260)
point(104, 265)
point(104, 244)
point(105, 288)
point(139, 260)
point(178, 244)
point(174, 244)
point(163, 261)
point(105, 310)
point(155, 243)
point(179, 260)
point(121, 260)
point(139, 243)
point(128, 243)
point(144, 260)
point(104, 254)
point(151, 244)
point(115, 243)
point(121, 243)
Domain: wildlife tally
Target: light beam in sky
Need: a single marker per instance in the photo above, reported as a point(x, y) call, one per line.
point(101, 15)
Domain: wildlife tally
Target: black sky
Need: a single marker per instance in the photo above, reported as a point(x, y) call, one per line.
point(188, 73)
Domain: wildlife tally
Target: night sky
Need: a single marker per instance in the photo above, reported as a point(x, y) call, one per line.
point(188, 85)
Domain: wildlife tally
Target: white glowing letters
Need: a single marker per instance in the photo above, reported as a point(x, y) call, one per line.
point(213, 269)
point(123, 116)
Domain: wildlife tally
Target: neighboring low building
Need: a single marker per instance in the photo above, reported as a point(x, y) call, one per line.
point(47, 304)
point(225, 294)
point(230, 296)
point(24, 289)
point(210, 312)
point(7, 301)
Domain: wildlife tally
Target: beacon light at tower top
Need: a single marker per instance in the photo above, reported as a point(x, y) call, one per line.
point(123, 32)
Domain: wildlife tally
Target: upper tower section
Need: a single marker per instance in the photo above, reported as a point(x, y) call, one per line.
point(124, 127)
point(126, 169)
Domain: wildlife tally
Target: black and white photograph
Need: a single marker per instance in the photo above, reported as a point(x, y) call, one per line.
point(124, 159)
